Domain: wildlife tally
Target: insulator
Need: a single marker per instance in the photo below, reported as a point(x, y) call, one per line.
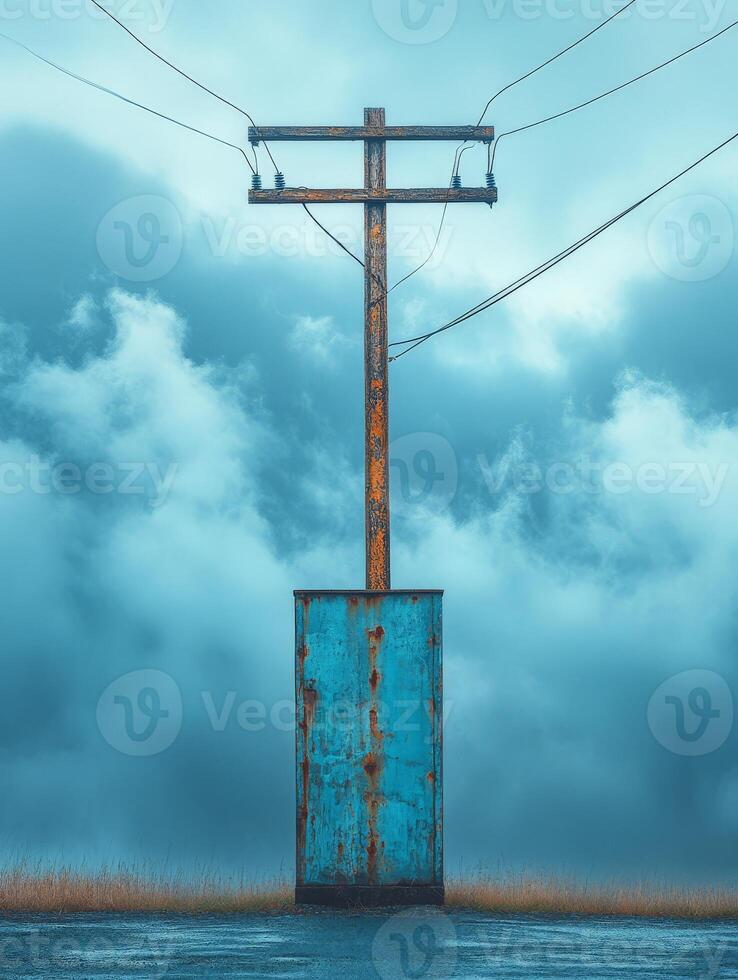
point(279, 182)
point(456, 182)
point(491, 182)
point(256, 182)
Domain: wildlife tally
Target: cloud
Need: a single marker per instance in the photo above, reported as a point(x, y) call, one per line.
point(316, 338)
point(564, 612)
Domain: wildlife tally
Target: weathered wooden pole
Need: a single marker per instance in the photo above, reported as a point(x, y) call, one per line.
point(376, 380)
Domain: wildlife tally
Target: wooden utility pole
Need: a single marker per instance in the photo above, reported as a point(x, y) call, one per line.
point(376, 380)
point(375, 196)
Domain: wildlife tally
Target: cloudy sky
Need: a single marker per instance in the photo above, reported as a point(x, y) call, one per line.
point(181, 441)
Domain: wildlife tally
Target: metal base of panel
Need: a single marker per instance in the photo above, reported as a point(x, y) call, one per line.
point(369, 896)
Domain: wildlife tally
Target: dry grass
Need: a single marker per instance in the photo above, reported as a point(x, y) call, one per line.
point(523, 895)
point(124, 891)
point(23, 891)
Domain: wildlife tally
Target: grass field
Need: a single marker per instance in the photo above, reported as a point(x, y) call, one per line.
point(57, 892)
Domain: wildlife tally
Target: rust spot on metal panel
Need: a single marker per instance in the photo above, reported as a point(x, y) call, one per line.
point(374, 678)
point(309, 702)
point(376, 733)
point(371, 766)
point(375, 846)
point(431, 777)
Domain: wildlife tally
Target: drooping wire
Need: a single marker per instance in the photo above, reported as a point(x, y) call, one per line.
point(123, 98)
point(462, 149)
point(184, 74)
point(382, 285)
point(612, 91)
point(333, 238)
point(457, 159)
point(554, 261)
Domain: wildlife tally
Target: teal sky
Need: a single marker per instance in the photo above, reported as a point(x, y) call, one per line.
point(218, 354)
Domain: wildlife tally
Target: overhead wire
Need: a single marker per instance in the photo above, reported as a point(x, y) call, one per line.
point(612, 91)
point(123, 98)
point(184, 74)
point(556, 57)
point(552, 262)
point(220, 98)
point(462, 149)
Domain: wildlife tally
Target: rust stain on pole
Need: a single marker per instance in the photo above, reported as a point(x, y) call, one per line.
point(375, 360)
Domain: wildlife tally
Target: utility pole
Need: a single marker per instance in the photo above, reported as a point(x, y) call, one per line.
point(369, 789)
point(375, 197)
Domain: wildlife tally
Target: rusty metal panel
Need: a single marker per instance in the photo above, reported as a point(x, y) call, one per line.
point(369, 747)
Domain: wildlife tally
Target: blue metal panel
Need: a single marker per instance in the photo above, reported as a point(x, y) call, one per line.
point(369, 767)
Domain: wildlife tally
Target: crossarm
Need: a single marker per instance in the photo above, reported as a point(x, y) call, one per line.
point(423, 195)
point(277, 134)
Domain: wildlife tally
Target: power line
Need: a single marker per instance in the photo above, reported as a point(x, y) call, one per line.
point(123, 98)
point(612, 91)
point(220, 98)
point(551, 263)
point(463, 148)
point(550, 61)
point(184, 74)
